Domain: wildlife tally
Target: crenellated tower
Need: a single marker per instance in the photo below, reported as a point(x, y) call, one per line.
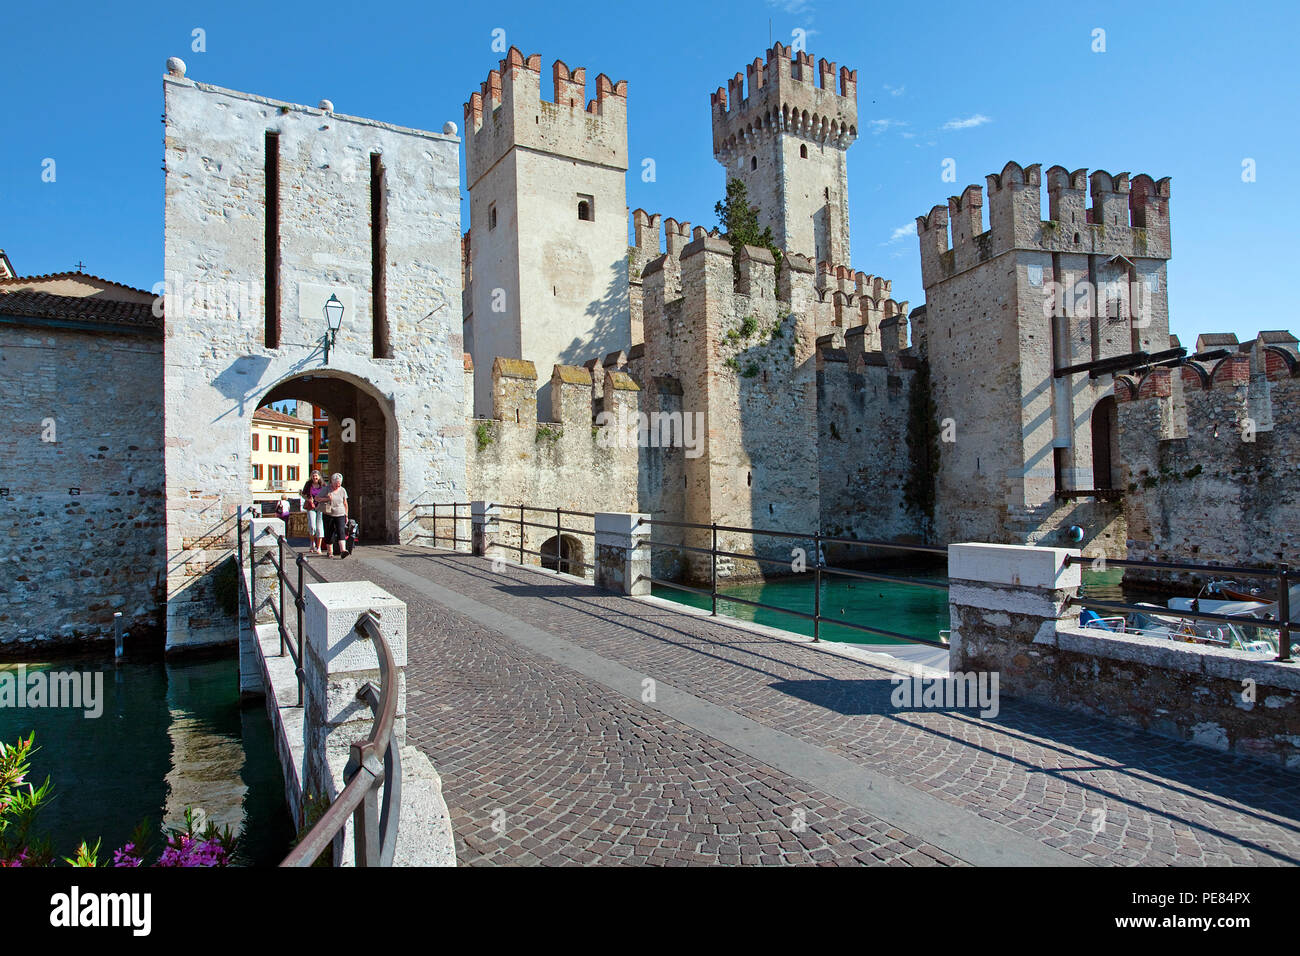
point(784, 130)
point(547, 244)
point(1012, 312)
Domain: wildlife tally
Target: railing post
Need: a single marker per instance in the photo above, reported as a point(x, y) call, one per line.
point(622, 561)
point(280, 578)
point(339, 660)
point(485, 526)
point(557, 540)
point(713, 571)
point(300, 604)
point(262, 586)
point(1284, 613)
point(817, 588)
point(435, 524)
point(521, 534)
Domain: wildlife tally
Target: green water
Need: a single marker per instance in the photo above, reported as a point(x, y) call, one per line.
point(170, 736)
point(886, 605)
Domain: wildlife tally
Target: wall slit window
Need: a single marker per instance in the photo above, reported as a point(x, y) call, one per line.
point(272, 271)
point(382, 348)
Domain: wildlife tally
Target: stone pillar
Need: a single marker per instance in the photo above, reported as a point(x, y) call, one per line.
point(485, 515)
point(623, 552)
point(1006, 602)
point(338, 660)
point(262, 541)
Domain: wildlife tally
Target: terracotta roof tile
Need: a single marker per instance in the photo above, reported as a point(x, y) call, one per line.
point(69, 275)
point(137, 316)
point(271, 415)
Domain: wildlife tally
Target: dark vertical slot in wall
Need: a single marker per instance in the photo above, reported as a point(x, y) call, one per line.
point(379, 258)
point(272, 240)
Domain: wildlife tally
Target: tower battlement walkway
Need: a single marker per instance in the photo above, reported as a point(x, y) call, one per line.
point(530, 692)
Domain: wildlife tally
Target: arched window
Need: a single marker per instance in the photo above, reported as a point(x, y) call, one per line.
point(803, 151)
point(586, 208)
point(753, 162)
point(584, 212)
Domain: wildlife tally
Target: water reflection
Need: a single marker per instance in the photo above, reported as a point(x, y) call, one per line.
point(170, 736)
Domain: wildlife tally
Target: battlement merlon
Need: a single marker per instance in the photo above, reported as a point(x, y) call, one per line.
point(1128, 217)
point(787, 94)
point(508, 110)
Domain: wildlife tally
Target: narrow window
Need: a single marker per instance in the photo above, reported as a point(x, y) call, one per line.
point(586, 208)
point(753, 162)
point(803, 151)
point(272, 272)
point(492, 216)
point(381, 347)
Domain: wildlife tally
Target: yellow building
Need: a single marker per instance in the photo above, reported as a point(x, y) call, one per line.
point(281, 455)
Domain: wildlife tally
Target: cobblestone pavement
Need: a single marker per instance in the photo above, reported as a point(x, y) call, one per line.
point(543, 764)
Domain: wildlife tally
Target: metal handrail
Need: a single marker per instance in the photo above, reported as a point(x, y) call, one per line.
point(1283, 623)
point(372, 762)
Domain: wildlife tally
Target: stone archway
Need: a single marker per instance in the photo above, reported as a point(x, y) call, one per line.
point(563, 553)
point(360, 452)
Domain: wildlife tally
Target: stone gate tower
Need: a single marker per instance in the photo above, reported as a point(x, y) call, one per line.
point(276, 213)
point(787, 141)
point(546, 254)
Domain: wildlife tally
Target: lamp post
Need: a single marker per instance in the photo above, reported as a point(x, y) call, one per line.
point(333, 319)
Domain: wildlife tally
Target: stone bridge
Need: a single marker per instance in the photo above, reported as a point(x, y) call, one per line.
point(530, 690)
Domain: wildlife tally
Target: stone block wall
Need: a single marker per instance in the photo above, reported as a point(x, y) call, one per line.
point(571, 463)
point(1010, 614)
point(83, 513)
point(1212, 475)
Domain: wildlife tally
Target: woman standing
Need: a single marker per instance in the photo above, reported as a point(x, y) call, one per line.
point(313, 493)
point(336, 516)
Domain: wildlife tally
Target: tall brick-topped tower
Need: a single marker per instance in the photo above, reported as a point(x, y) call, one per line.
point(547, 267)
point(786, 140)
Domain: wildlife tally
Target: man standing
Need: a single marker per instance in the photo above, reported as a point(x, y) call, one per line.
point(336, 516)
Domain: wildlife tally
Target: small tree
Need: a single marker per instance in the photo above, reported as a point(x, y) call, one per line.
point(739, 222)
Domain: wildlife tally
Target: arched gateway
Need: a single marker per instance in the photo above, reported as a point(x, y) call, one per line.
point(282, 223)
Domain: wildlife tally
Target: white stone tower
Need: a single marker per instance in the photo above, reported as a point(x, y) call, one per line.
point(787, 141)
point(546, 275)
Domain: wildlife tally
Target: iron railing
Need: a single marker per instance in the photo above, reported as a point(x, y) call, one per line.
point(455, 517)
point(563, 564)
point(818, 567)
point(290, 644)
point(1282, 574)
point(373, 762)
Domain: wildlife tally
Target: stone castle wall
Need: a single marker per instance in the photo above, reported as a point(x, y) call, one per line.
point(1213, 475)
point(72, 560)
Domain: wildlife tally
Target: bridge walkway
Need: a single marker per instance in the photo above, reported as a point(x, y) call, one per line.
point(575, 725)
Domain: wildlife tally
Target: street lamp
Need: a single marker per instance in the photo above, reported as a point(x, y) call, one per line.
point(333, 319)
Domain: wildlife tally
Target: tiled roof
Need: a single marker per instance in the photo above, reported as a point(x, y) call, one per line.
point(69, 275)
point(136, 316)
point(271, 415)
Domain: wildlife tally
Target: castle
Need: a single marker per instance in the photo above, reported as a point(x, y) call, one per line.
point(1036, 395)
point(1043, 349)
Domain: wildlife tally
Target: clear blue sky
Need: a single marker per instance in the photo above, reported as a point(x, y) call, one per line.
point(1187, 90)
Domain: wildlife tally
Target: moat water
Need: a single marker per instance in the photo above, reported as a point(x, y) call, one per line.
point(170, 736)
point(888, 605)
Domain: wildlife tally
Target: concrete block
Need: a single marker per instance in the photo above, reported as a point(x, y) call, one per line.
point(1018, 565)
point(331, 617)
